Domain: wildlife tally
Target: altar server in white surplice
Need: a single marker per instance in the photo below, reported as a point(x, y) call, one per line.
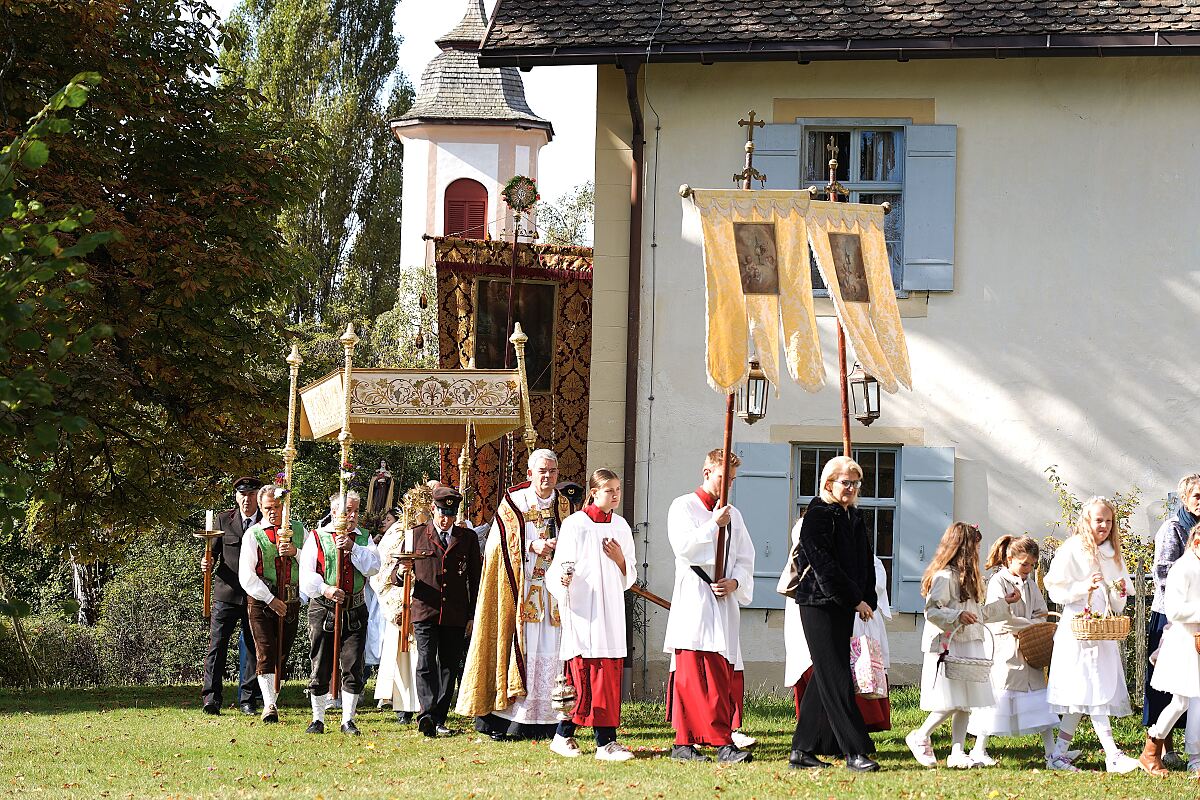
point(397, 679)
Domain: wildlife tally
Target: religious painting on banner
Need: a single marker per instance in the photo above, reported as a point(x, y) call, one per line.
point(848, 245)
point(533, 307)
point(757, 279)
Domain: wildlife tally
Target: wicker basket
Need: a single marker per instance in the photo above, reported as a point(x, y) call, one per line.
point(1196, 639)
point(966, 668)
point(1111, 626)
point(1036, 643)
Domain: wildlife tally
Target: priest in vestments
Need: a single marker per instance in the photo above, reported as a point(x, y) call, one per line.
point(396, 682)
point(705, 619)
point(513, 658)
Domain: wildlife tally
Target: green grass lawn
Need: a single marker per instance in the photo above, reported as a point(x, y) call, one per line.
point(155, 742)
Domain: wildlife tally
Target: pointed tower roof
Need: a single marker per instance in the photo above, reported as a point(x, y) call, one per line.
point(455, 90)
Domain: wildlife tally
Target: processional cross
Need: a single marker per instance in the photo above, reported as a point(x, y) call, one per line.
point(750, 174)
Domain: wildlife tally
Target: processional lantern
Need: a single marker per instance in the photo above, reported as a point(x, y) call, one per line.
point(751, 401)
point(864, 395)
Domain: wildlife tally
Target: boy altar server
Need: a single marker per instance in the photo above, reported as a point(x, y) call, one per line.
point(705, 618)
point(592, 568)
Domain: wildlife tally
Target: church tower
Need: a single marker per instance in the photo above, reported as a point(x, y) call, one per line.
point(468, 133)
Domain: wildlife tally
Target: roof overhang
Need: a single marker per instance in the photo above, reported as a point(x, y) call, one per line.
point(517, 124)
point(1179, 43)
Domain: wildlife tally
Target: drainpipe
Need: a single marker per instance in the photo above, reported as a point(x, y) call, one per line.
point(633, 324)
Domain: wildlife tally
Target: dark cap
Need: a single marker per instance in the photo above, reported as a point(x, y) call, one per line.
point(572, 491)
point(245, 485)
point(446, 498)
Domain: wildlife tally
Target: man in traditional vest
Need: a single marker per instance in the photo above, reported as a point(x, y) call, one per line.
point(269, 572)
point(703, 627)
point(320, 563)
point(443, 604)
point(229, 601)
point(513, 658)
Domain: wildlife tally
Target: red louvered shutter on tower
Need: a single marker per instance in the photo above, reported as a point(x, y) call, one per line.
point(466, 210)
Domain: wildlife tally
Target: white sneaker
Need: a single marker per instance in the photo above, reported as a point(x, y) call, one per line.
point(982, 759)
point(1071, 755)
point(1121, 763)
point(613, 751)
point(1061, 763)
point(922, 749)
point(565, 746)
point(742, 741)
point(959, 760)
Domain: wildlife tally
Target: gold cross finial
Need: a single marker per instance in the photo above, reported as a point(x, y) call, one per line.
point(746, 177)
point(752, 122)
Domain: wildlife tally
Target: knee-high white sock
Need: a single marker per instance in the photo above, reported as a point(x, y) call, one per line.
point(267, 684)
point(958, 729)
point(318, 706)
point(934, 719)
point(1048, 739)
point(1103, 728)
point(980, 744)
point(1161, 729)
point(1191, 734)
point(349, 704)
point(1066, 732)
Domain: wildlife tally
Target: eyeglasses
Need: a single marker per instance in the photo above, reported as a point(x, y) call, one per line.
point(851, 484)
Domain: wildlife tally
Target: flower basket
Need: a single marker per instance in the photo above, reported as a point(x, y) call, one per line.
point(1089, 626)
point(967, 668)
point(1036, 643)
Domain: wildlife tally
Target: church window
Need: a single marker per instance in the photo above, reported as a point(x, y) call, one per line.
point(466, 210)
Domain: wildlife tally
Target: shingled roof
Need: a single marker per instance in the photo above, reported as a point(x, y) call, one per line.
point(456, 90)
point(529, 32)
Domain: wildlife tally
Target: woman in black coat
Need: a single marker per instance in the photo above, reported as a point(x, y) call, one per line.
point(836, 581)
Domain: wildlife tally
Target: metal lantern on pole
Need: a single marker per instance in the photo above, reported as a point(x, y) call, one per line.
point(751, 403)
point(864, 395)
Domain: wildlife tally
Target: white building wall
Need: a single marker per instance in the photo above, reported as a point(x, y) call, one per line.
point(1064, 342)
point(415, 199)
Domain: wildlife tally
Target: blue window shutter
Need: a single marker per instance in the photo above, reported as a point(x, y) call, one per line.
point(929, 167)
point(763, 493)
point(777, 155)
point(926, 509)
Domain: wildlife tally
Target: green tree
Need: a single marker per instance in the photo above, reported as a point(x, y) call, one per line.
point(568, 220)
point(183, 393)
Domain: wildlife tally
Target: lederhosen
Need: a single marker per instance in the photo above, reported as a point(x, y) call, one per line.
point(354, 620)
point(263, 621)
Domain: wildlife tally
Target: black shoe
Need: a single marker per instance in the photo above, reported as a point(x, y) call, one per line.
point(861, 763)
point(497, 736)
point(351, 728)
point(732, 754)
point(213, 709)
point(442, 730)
point(248, 709)
point(802, 759)
point(403, 717)
point(427, 726)
point(316, 726)
point(687, 752)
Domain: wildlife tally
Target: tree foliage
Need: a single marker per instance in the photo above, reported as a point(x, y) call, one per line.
point(568, 220)
point(193, 180)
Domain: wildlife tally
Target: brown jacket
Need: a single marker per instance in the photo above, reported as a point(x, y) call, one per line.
point(445, 586)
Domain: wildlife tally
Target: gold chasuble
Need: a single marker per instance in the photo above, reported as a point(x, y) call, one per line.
point(847, 240)
point(757, 275)
point(495, 668)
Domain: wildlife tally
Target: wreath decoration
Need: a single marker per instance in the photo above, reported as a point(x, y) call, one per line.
point(520, 193)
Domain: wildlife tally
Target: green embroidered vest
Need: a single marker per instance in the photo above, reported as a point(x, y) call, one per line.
point(330, 557)
point(269, 551)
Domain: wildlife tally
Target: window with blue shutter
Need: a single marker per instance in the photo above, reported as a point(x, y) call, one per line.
point(926, 509)
point(762, 493)
point(929, 175)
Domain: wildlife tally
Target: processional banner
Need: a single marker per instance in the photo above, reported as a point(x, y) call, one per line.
point(757, 276)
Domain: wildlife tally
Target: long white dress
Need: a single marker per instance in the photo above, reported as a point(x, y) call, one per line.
point(1086, 677)
point(943, 605)
point(1177, 670)
point(397, 679)
point(542, 639)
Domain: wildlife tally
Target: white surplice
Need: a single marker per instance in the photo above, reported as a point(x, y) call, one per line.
point(542, 639)
point(397, 679)
point(593, 607)
point(698, 619)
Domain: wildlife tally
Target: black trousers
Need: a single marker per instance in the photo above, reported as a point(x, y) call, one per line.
point(221, 625)
point(439, 650)
point(830, 722)
point(350, 657)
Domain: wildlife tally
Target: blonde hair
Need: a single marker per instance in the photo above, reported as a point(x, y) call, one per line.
point(598, 479)
point(1083, 528)
point(1186, 483)
point(835, 466)
point(713, 458)
point(1008, 547)
point(1192, 535)
point(958, 551)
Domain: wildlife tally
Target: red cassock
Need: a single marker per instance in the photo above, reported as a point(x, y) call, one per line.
point(597, 683)
point(701, 698)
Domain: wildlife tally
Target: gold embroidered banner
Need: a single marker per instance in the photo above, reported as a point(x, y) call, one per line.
point(757, 275)
point(847, 240)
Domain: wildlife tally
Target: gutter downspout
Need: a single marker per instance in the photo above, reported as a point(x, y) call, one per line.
point(634, 303)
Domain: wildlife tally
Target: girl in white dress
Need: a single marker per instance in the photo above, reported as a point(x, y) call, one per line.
point(1088, 677)
point(1177, 670)
point(953, 590)
point(1021, 707)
